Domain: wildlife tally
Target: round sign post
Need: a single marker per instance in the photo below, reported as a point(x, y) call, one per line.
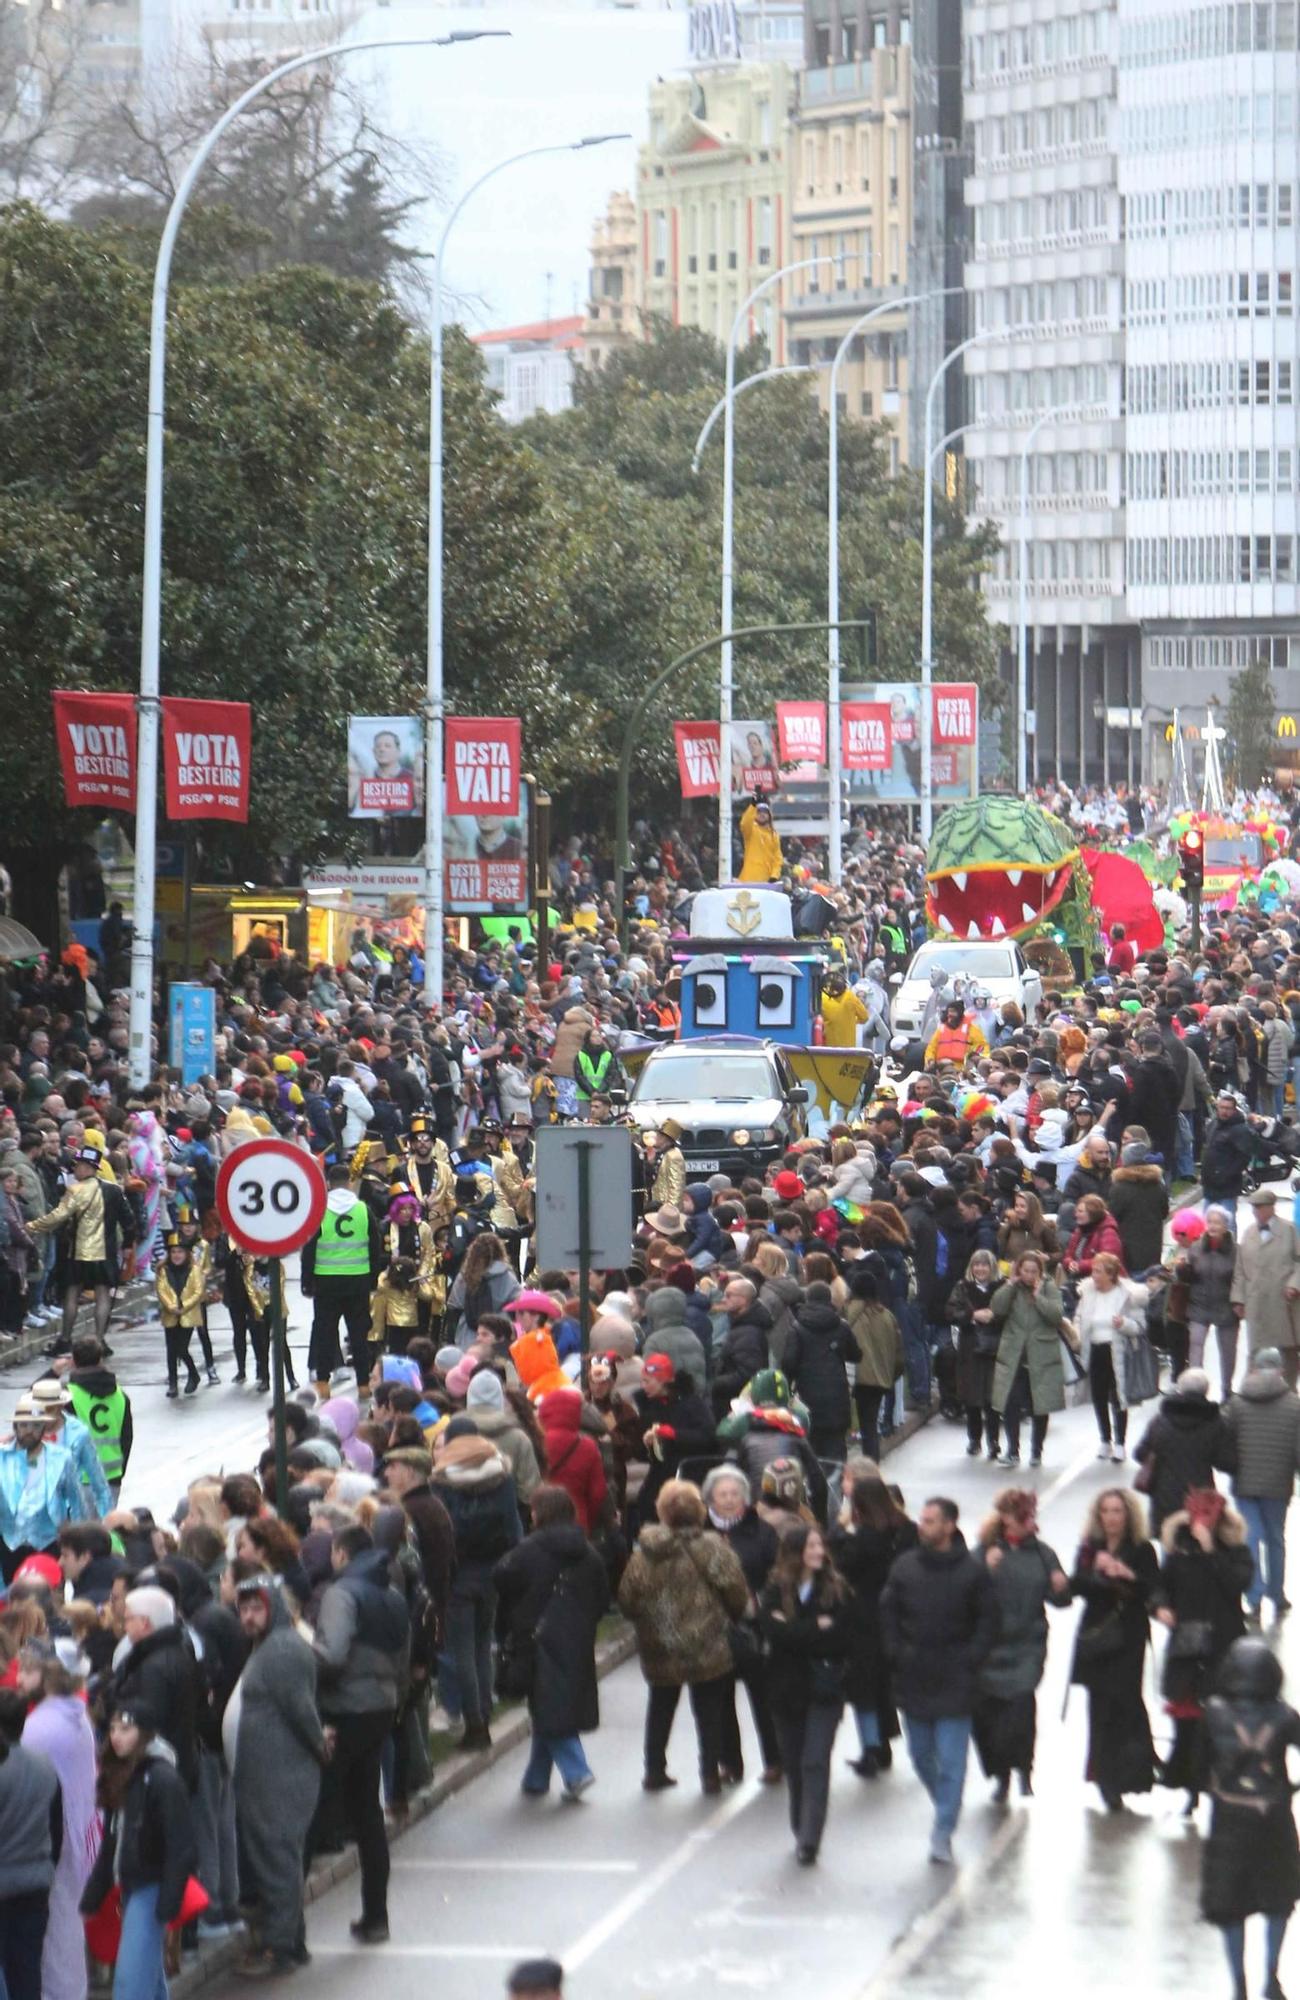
point(271, 1198)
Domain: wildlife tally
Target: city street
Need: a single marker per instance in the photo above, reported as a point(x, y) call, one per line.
point(655, 1895)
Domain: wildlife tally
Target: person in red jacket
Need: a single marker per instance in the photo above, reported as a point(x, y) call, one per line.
point(1096, 1230)
point(573, 1458)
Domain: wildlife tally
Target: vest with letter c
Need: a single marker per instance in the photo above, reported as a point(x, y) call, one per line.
point(105, 1419)
point(343, 1246)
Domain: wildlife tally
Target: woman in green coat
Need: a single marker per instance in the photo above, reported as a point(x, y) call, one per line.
point(1028, 1374)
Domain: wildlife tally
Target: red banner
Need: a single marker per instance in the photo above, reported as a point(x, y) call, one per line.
point(955, 707)
point(868, 737)
point(96, 734)
point(698, 757)
point(206, 747)
point(483, 758)
point(472, 883)
point(801, 731)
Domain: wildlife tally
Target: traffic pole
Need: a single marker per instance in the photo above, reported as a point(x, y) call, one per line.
point(583, 1150)
point(279, 1334)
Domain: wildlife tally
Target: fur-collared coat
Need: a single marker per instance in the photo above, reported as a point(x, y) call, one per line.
point(681, 1589)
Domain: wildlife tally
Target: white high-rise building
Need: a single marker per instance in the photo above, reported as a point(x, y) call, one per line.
point(1133, 204)
point(1207, 135)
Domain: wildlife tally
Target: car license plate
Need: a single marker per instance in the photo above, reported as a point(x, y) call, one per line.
point(705, 1167)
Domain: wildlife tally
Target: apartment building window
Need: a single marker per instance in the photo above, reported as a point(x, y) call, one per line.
point(837, 163)
point(868, 403)
point(692, 241)
point(841, 263)
point(813, 277)
point(660, 242)
point(868, 259)
point(810, 165)
point(895, 258)
point(764, 121)
point(765, 229)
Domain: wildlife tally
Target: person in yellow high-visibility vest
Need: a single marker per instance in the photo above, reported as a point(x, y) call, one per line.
point(762, 843)
point(955, 1038)
point(842, 1013)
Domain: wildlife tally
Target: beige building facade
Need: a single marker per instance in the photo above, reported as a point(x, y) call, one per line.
point(713, 198)
point(851, 207)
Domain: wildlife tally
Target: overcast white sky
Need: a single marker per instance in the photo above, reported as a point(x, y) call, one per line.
point(563, 74)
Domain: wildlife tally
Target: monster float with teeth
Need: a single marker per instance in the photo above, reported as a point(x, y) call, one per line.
point(1000, 867)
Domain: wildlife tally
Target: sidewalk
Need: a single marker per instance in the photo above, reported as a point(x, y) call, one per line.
point(29, 1351)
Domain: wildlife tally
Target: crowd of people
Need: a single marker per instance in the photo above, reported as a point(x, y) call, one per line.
point(1045, 1212)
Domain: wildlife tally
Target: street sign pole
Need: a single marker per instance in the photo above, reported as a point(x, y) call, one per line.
point(271, 1198)
point(584, 1151)
point(278, 1336)
point(1195, 896)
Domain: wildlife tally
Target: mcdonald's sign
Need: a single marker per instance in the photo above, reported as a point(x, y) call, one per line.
point(1286, 725)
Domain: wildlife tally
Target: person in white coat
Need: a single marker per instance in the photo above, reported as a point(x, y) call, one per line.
point(1110, 1314)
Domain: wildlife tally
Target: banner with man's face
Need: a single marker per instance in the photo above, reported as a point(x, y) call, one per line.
point(385, 767)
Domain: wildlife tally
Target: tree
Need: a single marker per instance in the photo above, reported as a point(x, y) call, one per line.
point(295, 528)
point(1252, 708)
point(621, 460)
point(46, 103)
point(308, 172)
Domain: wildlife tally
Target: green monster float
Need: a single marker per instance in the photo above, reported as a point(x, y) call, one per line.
point(1003, 868)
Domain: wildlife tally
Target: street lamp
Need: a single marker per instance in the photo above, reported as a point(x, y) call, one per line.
point(434, 704)
point(146, 808)
point(834, 747)
point(728, 527)
point(927, 557)
point(1061, 410)
point(750, 382)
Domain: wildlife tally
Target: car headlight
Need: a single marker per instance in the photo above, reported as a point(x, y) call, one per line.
point(741, 1135)
point(768, 1136)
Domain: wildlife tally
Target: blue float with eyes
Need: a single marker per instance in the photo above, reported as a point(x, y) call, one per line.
point(747, 974)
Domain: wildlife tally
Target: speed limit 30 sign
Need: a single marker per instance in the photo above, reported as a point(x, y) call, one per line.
point(270, 1197)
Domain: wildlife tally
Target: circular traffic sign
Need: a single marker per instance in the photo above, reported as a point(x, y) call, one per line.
point(270, 1197)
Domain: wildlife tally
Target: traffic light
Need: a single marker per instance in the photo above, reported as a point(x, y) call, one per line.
point(1191, 855)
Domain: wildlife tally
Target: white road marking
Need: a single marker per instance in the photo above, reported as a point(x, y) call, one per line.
point(440, 1865)
point(378, 1953)
point(915, 1942)
point(591, 1941)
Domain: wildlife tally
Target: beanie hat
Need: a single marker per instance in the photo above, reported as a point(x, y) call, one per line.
point(446, 1358)
point(485, 1391)
point(151, 1601)
point(460, 1377)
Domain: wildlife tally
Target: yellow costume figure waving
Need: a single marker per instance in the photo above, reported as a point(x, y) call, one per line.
point(762, 844)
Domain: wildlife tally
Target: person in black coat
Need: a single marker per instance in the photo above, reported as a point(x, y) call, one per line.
point(225, 1649)
point(1231, 1143)
point(805, 1613)
point(1206, 1568)
point(553, 1592)
point(675, 1424)
point(1250, 1865)
point(1182, 1445)
point(744, 1352)
point(147, 1849)
point(818, 1355)
point(970, 1309)
point(865, 1548)
point(1115, 1573)
point(753, 1541)
point(940, 1617)
point(161, 1672)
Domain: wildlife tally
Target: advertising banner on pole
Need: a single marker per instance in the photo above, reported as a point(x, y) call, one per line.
point(192, 1044)
point(485, 861)
point(206, 758)
point(483, 764)
point(385, 767)
point(956, 707)
point(697, 758)
point(801, 731)
point(755, 765)
point(868, 743)
point(96, 737)
point(954, 759)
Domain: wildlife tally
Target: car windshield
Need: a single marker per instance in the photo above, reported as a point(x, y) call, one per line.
point(988, 960)
point(739, 1077)
point(1238, 850)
